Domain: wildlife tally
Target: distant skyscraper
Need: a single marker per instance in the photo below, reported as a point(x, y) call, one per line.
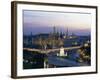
point(54, 30)
point(31, 38)
point(67, 32)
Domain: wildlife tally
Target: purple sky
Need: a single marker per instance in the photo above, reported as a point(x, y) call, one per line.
point(43, 22)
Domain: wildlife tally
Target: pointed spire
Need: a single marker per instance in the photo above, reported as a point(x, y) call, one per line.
point(54, 29)
point(67, 32)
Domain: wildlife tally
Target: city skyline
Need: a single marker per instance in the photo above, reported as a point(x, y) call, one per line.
point(43, 22)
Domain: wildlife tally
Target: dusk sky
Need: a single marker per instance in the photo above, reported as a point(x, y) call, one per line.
point(43, 22)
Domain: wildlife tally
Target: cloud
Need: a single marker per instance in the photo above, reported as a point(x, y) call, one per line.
point(43, 19)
